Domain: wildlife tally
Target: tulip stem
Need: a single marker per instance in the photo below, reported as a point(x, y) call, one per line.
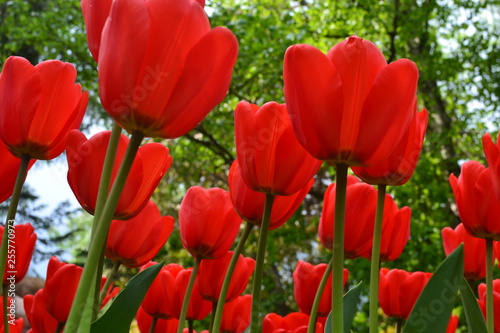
point(338, 250)
point(187, 295)
point(153, 325)
point(9, 224)
point(190, 326)
point(259, 263)
point(399, 325)
point(489, 286)
point(102, 196)
point(375, 260)
point(311, 328)
point(212, 316)
point(109, 281)
point(227, 278)
point(99, 240)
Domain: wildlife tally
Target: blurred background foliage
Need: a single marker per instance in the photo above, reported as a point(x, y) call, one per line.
point(454, 43)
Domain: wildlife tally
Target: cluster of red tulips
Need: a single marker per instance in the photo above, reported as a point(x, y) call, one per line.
point(161, 69)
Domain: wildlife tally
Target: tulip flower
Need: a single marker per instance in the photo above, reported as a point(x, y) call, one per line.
point(306, 279)
point(474, 250)
point(144, 321)
point(359, 217)
point(176, 70)
point(349, 106)
point(452, 324)
point(36, 312)
point(399, 291)
point(249, 204)
point(496, 248)
point(477, 204)
point(95, 14)
point(290, 323)
point(8, 172)
point(39, 105)
point(492, 153)
point(208, 223)
point(212, 272)
point(135, 242)
point(481, 290)
point(395, 231)
point(236, 315)
point(21, 244)
point(85, 162)
point(271, 159)
point(161, 296)
point(399, 166)
point(198, 308)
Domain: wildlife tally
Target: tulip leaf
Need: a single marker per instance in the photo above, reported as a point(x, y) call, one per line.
point(119, 316)
point(433, 308)
point(473, 314)
point(351, 299)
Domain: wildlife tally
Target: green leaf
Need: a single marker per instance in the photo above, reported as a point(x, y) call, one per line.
point(120, 314)
point(473, 314)
point(351, 299)
point(433, 308)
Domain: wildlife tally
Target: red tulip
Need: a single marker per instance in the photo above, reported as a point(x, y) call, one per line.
point(85, 162)
point(161, 297)
point(8, 172)
point(136, 241)
point(212, 272)
point(39, 105)
point(452, 324)
point(208, 223)
point(474, 250)
point(481, 290)
point(236, 315)
point(306, 279)
point(478, 206)
point(40, 319)
point(270, 157)
point(21, 244)
point(395, 231)
point(95, 14)
point(198, 308)
point(60, 288)
point(144, 321)
point(290, 323)
point(249, 204)
point(399, 290)
point(496, 249)
point(492, 153)
point(399, 166)
point(359, 217)
point(176, 70)
point(349, 106)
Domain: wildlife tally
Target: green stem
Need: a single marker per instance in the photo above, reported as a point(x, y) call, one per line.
point(229, 274)
point(489, 286)
point(187, 295)
point(212, 316)
point(399, 325)
point(153, 325)
point(11, 213)
point(9, 224)
point(190, 326)
point(102, 196)
point(99, 239)
point(5, 290)
point(375, 264)
point(59, 327)
point(338, 250)
point(311, 328)
point(259, 264)
point(109, 281)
